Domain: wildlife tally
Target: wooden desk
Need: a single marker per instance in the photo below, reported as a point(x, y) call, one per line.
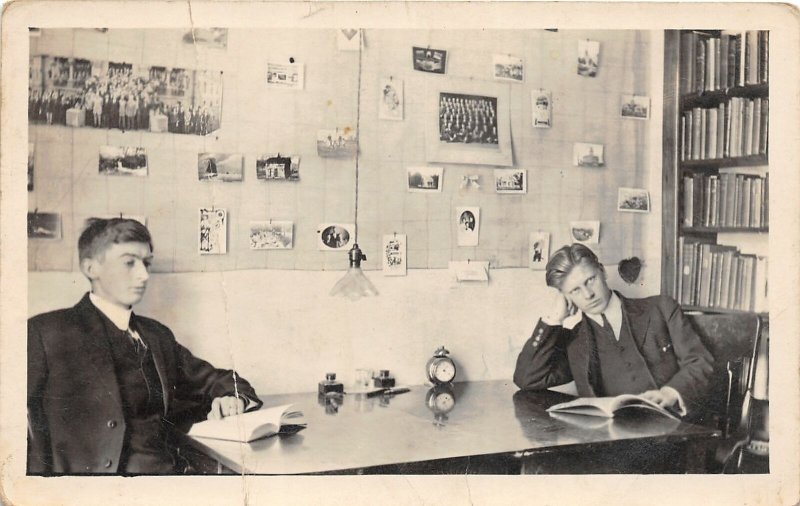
point(492, 428)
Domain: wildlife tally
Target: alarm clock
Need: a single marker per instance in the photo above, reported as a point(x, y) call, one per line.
point(440, 368)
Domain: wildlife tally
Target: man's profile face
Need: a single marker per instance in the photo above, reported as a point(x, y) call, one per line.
point(586, 287)
point(120, 274)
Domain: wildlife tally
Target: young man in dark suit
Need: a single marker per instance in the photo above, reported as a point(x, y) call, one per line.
point(105, 386)
point(620, 345)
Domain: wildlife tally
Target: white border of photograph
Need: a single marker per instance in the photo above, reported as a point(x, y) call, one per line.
point(538, 250)
point(210, 243)
point(541, 117)
point(578, 231)
point(468, 225)
point(630, 200)
point(635, 107)
point(585, 154)
point(271, 234)
point(227, 167)
point(503, 181)
point(428, 175)
point(328, 242)
point(348, 39)
point(390, 99)
point(295, 70)
point(505, 67)
point(394, 255)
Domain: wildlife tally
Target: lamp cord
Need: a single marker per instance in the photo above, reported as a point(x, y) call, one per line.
point(358, 131)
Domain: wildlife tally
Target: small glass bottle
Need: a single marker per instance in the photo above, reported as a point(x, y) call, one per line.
point(383, 380)
point(330, 384)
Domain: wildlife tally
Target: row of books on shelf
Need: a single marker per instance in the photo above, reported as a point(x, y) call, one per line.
point(718, 276)
point(737, 127)
point(725, 200)
point(711, 61)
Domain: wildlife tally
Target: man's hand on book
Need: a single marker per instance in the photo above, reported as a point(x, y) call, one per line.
point(225, 406)
point(665, 397)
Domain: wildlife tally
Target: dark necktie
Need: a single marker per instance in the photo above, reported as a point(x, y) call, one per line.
point(137, 344)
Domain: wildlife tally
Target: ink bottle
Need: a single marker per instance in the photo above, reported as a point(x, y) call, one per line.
point(330, 384)
point(384, 380)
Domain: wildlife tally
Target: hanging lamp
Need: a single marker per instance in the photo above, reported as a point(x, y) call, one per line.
point(354, 284)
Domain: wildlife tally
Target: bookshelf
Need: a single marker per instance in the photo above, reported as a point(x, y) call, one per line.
point(716, 170)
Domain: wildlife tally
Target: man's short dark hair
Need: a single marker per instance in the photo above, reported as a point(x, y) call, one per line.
point(565, 259)
point(101, 233)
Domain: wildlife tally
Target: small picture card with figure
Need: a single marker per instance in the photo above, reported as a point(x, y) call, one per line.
point(122, 161)
point(226, 167)
point(541, 108)
point(635, 107)
point(394, 255)
point(424, 179)
point(426, 59)
point(337, 143)
point(468, 224)
point(277, 167)
point(585, 232)
point(588, 155)
point(213, 231)
point(633, 200)
point(271, 234)
point(510, 180)
point(588, 57)
point(285, 75)
point(44, 225)
point(538, 250)
point(507, 68)
point(390, 99)
point(348, 39)
point(335, 236)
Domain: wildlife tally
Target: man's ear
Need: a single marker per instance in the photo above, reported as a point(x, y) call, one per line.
point(89, 268)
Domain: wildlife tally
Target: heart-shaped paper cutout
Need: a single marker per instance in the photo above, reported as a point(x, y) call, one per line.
point(629, 269)
point(349, 32)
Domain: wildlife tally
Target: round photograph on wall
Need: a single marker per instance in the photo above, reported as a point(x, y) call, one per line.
point(335, 236)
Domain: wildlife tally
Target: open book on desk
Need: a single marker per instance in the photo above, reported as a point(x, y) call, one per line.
point(253, 425)
point(608, 407)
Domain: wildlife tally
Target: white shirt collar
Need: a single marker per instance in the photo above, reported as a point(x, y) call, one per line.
point(120, 317)
point(613, 312)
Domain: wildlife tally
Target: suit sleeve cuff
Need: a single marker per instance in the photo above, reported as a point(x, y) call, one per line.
point(681, 405)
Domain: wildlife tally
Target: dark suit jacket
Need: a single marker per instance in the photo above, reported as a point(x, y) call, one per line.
point(75, 416)
point(669, 345)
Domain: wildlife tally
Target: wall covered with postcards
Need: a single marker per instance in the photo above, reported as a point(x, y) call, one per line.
point(279, 149)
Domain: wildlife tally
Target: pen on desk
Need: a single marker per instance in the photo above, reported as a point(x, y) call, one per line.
point(397, 390)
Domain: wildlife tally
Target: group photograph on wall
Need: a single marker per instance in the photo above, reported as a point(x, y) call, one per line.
point(78, 92)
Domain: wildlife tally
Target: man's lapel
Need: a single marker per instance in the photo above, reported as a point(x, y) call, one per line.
point(154, 345)
point(638, 318)
point(96, 348)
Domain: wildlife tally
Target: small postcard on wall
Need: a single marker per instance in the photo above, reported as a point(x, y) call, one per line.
point(226, 167)
point(44, 225)
point(468, 224)
point(541, 108)
point(507, 68)
point(588, 57)
point(122, 161)
point(394, 255)
point(633, 200)
point(271, 234)
point(337, 143)
point(429, 60)
point(510, 180)
point(588, 155)
point(635, 107)
point(586, 232)
point(424, 179)
point(538, 250)
point(390, 104)
point(213, 231)
point(285, 75)
point(277, 167)
point(335, 236)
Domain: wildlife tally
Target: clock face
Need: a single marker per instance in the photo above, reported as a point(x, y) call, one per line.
point(444, 402)
point(444, 371)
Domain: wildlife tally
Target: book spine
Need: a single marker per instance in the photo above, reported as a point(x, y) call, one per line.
point(713, 118)
point(723, 61)
point(705, 275)
point(755, 202)
point(720, 130)
point(761, 303)
point(762, 148)
point(756, 137)
point(723, 198)
point(681, 265)
point(700, 67)
point(688, 200)
point(697, 204)
point(706, 202)
point(730, 204)
point(713, 201)
point(725, 287)
point(764, 57)
point(747, 191)
point(765, 200)
point(687, 62)
point(696, 123)
point(703, 134)
point(748, 128)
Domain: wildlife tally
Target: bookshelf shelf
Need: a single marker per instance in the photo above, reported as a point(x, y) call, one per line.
point(715, 217)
